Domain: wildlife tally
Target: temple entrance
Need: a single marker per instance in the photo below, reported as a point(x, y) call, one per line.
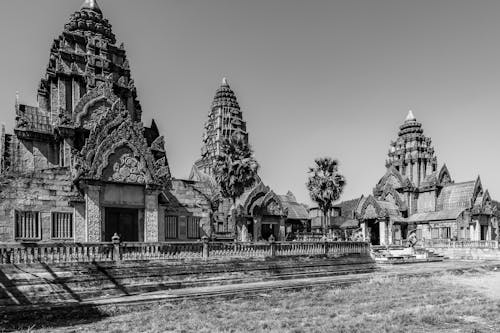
point(124, 222)
point(270, 226)
point(484, 232)
point(374, 232)
point(270, 229)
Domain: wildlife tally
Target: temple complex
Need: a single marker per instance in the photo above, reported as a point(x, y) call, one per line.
point(80, 165)
point(261, 212)
point(416, 197)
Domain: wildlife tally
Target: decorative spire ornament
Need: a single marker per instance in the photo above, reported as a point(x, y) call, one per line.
point(410, 116)
point(91, 5)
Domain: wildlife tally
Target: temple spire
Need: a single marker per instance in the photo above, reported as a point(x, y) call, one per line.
point(410, 116)
point(91, 5)
point(224, 81)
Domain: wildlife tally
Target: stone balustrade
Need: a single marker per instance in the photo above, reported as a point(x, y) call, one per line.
point(29, 253)
point(116, 251)
point(447, 243)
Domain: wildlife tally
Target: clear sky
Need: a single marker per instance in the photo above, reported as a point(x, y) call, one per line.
point(314, 78)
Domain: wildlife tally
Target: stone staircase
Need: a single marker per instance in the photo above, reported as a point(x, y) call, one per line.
point(395, 254)
point(40, 284)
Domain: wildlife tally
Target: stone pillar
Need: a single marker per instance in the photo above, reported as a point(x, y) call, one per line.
point(93, 213)
point(257, 228)
point(383, 232)
point(390, 233)
point(478, 230)
point(411, 170)
point(151, 215)
point(282, 233)
point(363, 230)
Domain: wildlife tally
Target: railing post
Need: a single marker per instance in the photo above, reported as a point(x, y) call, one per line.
point(273, 246)
point(116, 248)
point(206, 252)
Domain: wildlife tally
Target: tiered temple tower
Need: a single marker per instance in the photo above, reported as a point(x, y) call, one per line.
point(80, 164)
point(82, 58)
point(224, 120)
point(412, 153)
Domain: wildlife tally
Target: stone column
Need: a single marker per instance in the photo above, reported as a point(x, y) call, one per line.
point(257, 228)
point(282, 233)
point(151, 215)
point(383, 232)
point(390, 233)
point(363, 230)
point(93, 213)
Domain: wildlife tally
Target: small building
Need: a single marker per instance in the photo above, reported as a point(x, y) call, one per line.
point(341, 224)
point(415, 196)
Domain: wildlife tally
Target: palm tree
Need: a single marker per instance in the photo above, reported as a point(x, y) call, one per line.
point(325, 185)
point(235, 169)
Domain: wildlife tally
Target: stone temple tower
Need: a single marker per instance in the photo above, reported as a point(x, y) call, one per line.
point(412, 153)
point(82, 58)
point(80, 165)
point(224, 120)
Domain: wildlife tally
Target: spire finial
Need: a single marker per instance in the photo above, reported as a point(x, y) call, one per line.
point(224, 81)
point(91, 5)
point(410, 116)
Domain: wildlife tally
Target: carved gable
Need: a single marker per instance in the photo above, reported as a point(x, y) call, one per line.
point(117, 150)
point(370, 212)
point(124, 167)
point(94, 104)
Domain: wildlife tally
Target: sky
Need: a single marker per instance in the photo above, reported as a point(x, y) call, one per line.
point(313, 78)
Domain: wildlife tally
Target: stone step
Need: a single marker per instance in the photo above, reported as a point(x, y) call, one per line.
point(62, 293)
point(44, 284)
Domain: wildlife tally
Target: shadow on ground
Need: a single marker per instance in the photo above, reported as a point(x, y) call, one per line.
point(50, 318)
point(21, 309)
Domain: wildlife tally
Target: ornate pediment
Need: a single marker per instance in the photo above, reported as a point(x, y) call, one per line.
point(392, 178)
point(369, 209)
point(444, 177)
point(158, 144)
point(94, 104)
point(117, 150)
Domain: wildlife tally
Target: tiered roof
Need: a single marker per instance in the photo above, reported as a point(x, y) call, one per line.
point(224, 120)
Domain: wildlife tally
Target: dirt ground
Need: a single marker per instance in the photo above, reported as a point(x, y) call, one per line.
point(487, 283)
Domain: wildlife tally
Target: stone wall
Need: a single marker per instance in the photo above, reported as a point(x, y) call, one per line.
point(188, 198)
point(468, 253)
point(44, 191)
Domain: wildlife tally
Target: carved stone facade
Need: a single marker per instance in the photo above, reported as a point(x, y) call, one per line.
point(80, 165)
point(414, 197)
point(224, 120)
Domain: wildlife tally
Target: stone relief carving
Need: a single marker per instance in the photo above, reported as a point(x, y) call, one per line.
point(158, 144)
point(273, 209)
point(128, 170)
point(115, 129)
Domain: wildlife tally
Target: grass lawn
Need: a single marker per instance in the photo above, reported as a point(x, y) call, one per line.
point(426, 304)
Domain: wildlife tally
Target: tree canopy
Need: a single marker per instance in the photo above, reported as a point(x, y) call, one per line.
point(235, 167)
point(325, 183)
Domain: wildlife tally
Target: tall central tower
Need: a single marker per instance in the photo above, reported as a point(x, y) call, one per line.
point(224, 120)
point(412, 154)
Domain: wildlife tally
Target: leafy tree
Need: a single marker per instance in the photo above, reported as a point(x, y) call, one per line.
point(325, 185)
point(235, 168)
